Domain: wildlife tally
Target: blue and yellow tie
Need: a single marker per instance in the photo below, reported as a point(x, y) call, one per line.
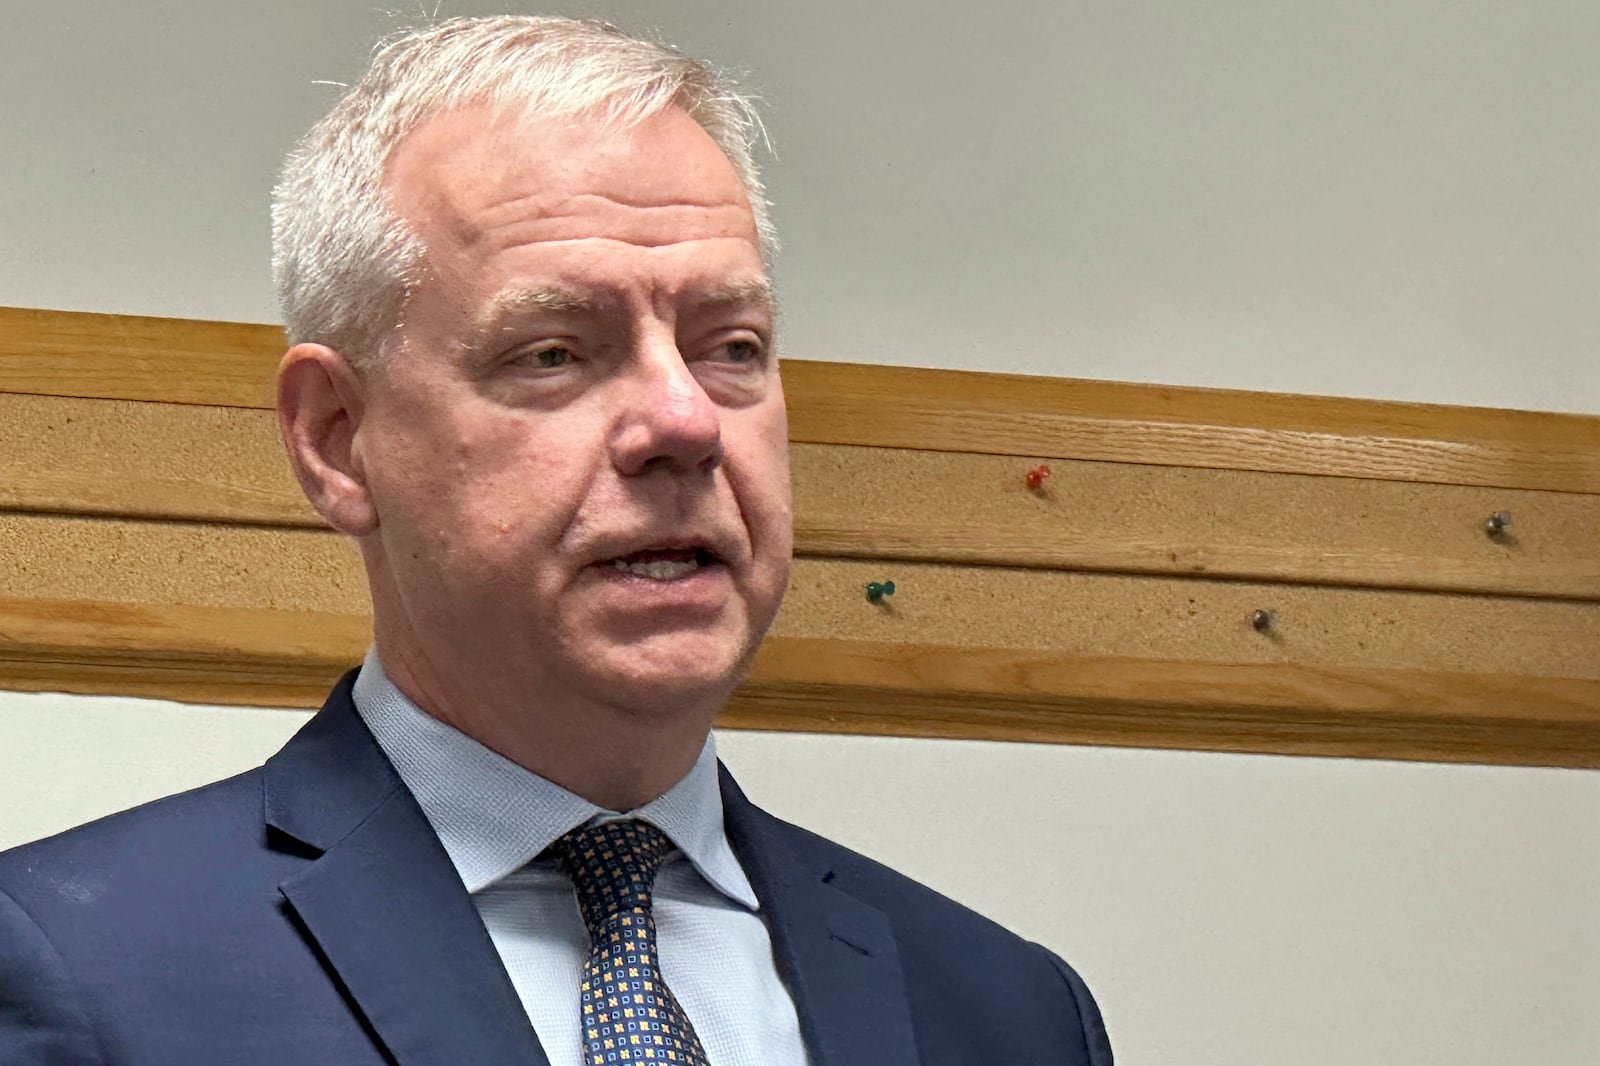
point(629, 1014)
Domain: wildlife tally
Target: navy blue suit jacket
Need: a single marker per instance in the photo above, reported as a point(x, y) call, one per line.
point(305, 914)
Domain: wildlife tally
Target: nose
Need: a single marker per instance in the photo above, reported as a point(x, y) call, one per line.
point(668, 420)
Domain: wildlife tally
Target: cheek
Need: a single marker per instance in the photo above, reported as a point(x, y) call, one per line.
point(782, 501)
point(764, 489)
point(775, 448)
point(422, 471)
point(459, 493)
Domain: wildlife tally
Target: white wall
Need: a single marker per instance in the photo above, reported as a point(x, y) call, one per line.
point(1370, 198)
point(1365, 198)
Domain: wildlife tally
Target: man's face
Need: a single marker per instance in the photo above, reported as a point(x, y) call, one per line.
point(578, 456)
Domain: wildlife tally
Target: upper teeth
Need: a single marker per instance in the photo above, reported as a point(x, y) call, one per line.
point(659, 569)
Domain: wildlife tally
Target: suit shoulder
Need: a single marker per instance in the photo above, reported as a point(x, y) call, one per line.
point(897, 895)
point(990, 980)
point(159, 833)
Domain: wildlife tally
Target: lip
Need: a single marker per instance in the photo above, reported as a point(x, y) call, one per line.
point(713, 550)
point(699, 596)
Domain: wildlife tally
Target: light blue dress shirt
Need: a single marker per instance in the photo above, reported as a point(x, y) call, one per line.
point(494, 818)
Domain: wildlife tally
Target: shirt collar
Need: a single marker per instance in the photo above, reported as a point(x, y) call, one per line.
point(494, 817)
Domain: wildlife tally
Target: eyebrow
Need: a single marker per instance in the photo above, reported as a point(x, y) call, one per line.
point(510, 305)
point(754, 292)
point(507, 307)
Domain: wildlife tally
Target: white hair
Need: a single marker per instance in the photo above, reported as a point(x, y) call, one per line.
point(343, 261)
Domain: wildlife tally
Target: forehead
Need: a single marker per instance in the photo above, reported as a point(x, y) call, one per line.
point(478, 176)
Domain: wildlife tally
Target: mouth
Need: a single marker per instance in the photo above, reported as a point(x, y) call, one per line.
point(665, 564)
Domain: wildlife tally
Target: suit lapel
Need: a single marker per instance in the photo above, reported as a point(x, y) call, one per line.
point(837, 954)
point(383, 905)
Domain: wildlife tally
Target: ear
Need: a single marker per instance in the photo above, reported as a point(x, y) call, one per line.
point(320, 406)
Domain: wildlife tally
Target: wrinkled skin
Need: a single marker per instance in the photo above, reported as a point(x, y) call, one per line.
point(586, 373)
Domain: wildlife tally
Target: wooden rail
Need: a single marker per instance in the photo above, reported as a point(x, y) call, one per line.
point(152, 542)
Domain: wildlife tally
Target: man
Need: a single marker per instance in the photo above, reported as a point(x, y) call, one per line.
point(532, 375)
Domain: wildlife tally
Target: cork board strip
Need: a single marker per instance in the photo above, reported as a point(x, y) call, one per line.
point(120, 458)
point(231, 364)
point(71, 560)
point(1188, 620)
point(137, 459)
point(95, 560)
point(922, 506)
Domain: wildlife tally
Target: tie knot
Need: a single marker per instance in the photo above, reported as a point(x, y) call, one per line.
point(612, 865)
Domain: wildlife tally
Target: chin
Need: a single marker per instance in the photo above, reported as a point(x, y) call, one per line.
point(672, 676)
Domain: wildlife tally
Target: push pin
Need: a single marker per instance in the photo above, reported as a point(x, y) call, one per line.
point(877, 590)
point(1036, 476)
point(1497, 524)
point(1263, 621)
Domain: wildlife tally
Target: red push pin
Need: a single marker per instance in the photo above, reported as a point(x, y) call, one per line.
point(1037, 475)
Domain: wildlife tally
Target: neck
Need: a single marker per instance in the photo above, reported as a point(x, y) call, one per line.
point(616, 757)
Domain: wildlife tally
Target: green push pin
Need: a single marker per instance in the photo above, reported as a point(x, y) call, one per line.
point(877, 590)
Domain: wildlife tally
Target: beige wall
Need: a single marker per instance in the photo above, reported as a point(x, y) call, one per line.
point(1366, 198)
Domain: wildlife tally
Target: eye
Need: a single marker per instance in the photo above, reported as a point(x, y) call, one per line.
point(741, 352)
point(552, 358)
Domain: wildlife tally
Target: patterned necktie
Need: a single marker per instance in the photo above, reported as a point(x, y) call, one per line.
point(629, 1014)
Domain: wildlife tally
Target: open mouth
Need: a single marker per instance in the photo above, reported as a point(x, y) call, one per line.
point(665, 564)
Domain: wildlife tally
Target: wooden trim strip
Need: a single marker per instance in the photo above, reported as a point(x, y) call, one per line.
point(264, 658)
point(1001, 694)
point(231, 364)
point(131, 357)
point(209, 655)
point(138, 634)
point(1001, 414)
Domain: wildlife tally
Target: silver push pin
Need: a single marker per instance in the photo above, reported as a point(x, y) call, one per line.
point(1497, 524)
point(1263, 621)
